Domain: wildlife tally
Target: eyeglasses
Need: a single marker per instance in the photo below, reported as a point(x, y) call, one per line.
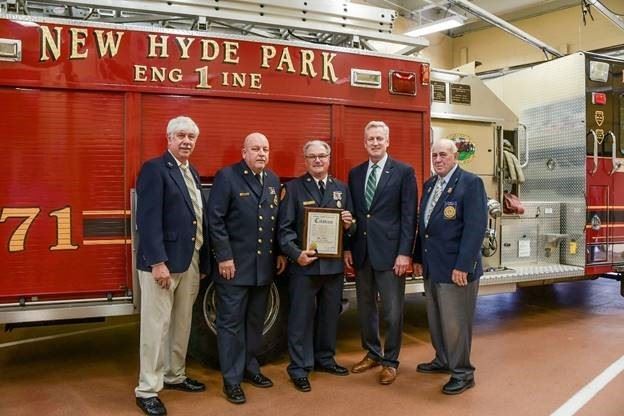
point(313, 157)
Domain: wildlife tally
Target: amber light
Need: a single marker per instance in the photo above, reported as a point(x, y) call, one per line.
point(403, 82)
point(425, 74)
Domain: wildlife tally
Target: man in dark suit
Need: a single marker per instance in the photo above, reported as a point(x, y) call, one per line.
point(385, 199)
point(315, 283)
point(242, 217)
point(172, 254)
point(448, 256)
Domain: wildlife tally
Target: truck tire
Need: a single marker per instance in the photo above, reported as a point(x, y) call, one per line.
point(203, 340)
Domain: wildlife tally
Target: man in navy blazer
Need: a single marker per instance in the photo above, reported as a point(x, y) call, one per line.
point(315, 283)
point(242, 216)
point(385, 200)
point(448, 255)
point(171, 256)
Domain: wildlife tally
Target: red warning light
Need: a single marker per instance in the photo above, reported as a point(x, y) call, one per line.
point(403, 83)
point(599, 98)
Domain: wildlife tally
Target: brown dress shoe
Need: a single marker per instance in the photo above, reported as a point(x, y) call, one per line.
point(365, 364)
point(387, 375)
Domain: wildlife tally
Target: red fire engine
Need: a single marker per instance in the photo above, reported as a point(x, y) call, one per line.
point(85, 104)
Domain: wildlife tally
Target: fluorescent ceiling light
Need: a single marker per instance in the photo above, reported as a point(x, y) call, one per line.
point(437, 26)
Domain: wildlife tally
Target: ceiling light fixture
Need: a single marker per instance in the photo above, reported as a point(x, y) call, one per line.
point(437, 26)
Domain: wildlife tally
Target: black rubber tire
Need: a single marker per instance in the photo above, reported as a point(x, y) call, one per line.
point(203, 340)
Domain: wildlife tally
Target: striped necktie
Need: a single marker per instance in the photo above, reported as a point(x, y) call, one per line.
point(321, 186)
point(371, 185)
point(192, 190)
point(437, 191)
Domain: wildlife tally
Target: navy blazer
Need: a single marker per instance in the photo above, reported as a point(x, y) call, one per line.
point(456, 228)
point(301, 193)
point(165, 218)
point(242, 217)
point(387, 229)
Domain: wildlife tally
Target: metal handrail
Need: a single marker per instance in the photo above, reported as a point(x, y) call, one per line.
point(595, 136)
point(526, 146)
point(614, 162)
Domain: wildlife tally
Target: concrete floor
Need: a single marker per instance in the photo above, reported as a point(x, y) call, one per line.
point(533, 349)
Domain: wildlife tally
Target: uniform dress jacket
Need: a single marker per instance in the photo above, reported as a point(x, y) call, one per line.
point(301, 193)
point(242, 217)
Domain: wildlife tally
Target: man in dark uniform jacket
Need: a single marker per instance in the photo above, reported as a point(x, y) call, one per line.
point(448, 256)
point(242, 217)
point(172, 253)
point(385, 201)
point(315, 284)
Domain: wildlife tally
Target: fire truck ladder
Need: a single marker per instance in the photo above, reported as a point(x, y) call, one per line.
point(328, 22)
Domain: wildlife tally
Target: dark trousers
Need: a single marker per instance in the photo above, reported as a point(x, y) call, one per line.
point(312, 321)
point(450, 313)
point(391, 290)
point(240, 320)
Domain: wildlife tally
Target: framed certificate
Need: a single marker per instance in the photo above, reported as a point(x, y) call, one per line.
point(322, 231)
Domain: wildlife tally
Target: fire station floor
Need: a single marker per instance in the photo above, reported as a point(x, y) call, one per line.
point(534, 351)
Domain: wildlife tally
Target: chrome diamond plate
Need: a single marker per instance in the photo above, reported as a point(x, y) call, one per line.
point(550, 100)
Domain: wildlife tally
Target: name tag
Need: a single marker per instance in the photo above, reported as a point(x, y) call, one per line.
point(244, 194)
point(305, 203)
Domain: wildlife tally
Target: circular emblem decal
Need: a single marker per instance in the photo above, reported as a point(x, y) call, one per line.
point(449, 212)
point(465, 147)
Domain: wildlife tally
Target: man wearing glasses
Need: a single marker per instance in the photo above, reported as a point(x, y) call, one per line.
point(315, 284)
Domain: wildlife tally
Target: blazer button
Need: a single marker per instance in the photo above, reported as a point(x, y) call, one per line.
point(426, 235)
point(192, 238)
point(425, 250)
point(368, 216)
point(364, 232)
point(259, 252)
point(259, 240)
point(259, 228)
point(260, 217)
point(194, 222)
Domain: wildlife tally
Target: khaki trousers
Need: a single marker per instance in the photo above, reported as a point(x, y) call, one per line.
point(165, 328)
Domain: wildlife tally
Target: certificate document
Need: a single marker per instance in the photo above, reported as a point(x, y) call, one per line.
point(322, 231)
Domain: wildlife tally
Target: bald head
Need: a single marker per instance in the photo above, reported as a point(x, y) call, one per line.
point(256, 151)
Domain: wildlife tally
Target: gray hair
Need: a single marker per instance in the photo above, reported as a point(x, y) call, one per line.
point(316, 142)
point(373, 124)
point(181, 123)
point(445, 143)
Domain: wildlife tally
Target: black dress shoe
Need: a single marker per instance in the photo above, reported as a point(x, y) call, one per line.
point(234, 393)
point(334, 369)
point(258, 380)
point(456, 386)
point(188, 384)
point(431, 367)
point(302, 384)
point(151, 406)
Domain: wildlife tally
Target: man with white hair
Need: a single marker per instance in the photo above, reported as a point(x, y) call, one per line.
point(448, 255)
point(172, 254)
point(385, 199)
point(315, 283)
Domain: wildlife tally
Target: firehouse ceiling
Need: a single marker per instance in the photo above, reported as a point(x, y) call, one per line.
point(423, 12)
point(358, 24)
